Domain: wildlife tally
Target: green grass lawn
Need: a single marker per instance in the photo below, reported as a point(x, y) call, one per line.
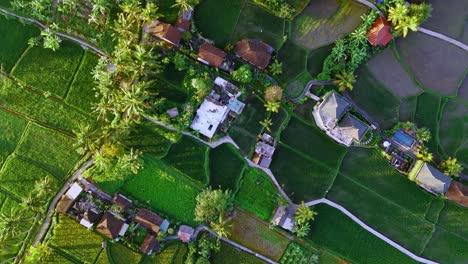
point(445, 247)
point(302, 178)
point(294, 59)
point(335, 231)
point(164, 189)
point(375, 99)
point(123, 255)
point(13, 46)
point(48, 149)
point(43, 110)
point(427, 115)
point(230, 255)
point(226, 166)
point(313, 142)
point(18, 177)
point(85, 245)
point(257, 22)
point(257, 194)
point(217, 28)
point(189, 156)
point(81, 93)
point(48, 70)
point(12, 128)
point(452, 132)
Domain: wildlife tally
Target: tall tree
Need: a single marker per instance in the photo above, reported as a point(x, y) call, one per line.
point(273, 93)
point(221, 227)
point(272, 106)
point(211, 204)
point(451, 167)
point(185, 5)
point(38, 254)
point(304, 214)
point(423, 134)
point(13, 223)
point(276, 68)
point(243, 74)
point(345, 80)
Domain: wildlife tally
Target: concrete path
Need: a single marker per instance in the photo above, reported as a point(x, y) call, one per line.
point(232, 243)
point(307, 88)
point(370, 230)
point(444, 38)
point(370, 5)
point(65, 36)
point(51, 209)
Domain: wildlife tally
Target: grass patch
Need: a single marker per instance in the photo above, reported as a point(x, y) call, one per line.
point(452, 133)
point(244, 140)
point(226, 167)
point(18, 177)
point(164, 189)
point(253, 113)
point(302, 137)
point(12, 128)
point(44, 110)
point(427, 115)
point(188, 156)
point(316, 59)
point(123, 255)
point(445, 247)
point(257, 22)
point(230, 255)
point(167, 255)
point(252, 233)
point(15, 44)
point(452, 218)
point(81, 93)
point(302, 178)
point(217, 28)
point(295, 88)
point(85, 245)
point(257, 194)
point(36, 147)
point(278, 120)
point(432, 214)
point(375, 99)
point(408, 108)
point(293, 58)
point(330, 224)
point(151, 139)
point(49, 70)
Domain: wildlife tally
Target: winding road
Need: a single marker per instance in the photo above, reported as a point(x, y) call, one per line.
point(307, 88)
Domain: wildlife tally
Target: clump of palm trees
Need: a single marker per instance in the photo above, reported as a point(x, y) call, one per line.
point(273, 96)
point(302, 217)
point(407, 17)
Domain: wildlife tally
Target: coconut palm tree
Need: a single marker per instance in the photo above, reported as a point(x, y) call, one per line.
point(276, 68)
point(301, 230)
point(345, 80)
point(410, 23)
point(425, 155)
point(266, 123)
point(451, 167)
point(185, 5)
point(221, 226)
point(398, 13)
point(272, 106)
point(304, 214)
point(423, 134)
point(13, 223)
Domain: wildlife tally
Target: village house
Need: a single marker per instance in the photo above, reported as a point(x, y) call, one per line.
point(255, 52)
point(264, 151)
point(379, 34)
point(149, 245)
point(112, 226)
point(402, 148)
point(185, 233)
point(433, 180)
point(69, 198)
point(173, 112)
point(90, 217)
point(151, 221)
point(122, 202)
point(217, 106)
point(211, 55)
point(163, 31)
point(458, 193)
point(284, 217)
point(183, 21)
point(332, 116)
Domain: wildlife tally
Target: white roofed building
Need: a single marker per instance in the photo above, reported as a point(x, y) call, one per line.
point(209, 116)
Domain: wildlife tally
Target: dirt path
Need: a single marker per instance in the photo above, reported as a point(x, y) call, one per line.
point(307, 88)
point(370, 229)
point(51, 209)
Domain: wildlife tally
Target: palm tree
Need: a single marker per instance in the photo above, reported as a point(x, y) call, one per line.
point(423, 134)
point(272, 106)
point(185, 5)
point(301, 230)
point(345, 80)
point(38, 254)
point(13, 224)
point(221, 226)
point(276, 68)
point(410, 23)
point(425, 155)
point(304, 214)
point(451, 167)
point(398, 13)
point(266, 123)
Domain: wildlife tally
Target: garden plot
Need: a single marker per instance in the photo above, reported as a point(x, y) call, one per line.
point(379, 176)
point(164, 189)
point(48, 70)
point(255, 234)
point(18, 177)
point(316, 26)
point(427, 115)
point(189, 156)
point(445, 247)
point(256, 22)
point(14, 42)
point(41, 109)
point(123, 255)
point(230, 255)
point(448, 17)
point(81, 93)
point(436, 64)
point(294, 61)
point(303, 178)
point(312, 142)
point(75, 240)
point(48, 149)
point(453, 126)
point(218, 28)
point(11, 128)
point(226, 167)
point(374, 98)
point(382, 214)
point(386, 68)
point(257, 194)
point(337, 232)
